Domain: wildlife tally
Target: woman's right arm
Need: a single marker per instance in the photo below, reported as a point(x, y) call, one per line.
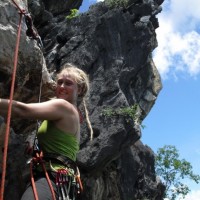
point(17, 108)
point(50, 110)
point(4, 103)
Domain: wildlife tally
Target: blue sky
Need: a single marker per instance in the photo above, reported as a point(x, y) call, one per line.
point(174, 119)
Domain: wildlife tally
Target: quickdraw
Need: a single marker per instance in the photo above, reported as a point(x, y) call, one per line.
point(65, 184)
point(68, 185)
point(70, 175)
point(31, 32)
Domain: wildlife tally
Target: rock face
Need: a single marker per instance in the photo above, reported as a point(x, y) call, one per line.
point(114, 46)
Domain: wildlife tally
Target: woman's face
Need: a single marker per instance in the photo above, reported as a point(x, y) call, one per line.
point(67, 88)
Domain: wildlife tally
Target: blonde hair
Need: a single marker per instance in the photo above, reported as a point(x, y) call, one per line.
point(82, 81)
point(78, 75)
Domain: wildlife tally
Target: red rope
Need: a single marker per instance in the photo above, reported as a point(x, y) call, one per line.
point(38, 159)
point(21, 10)
point(78, 179)
point(49, 182)
point(33, 181)
point(7, 134)
point(10, 109)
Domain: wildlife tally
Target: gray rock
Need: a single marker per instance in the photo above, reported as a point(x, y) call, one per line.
point(114, 46)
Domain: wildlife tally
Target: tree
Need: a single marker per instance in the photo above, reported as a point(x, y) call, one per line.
point(173, 171)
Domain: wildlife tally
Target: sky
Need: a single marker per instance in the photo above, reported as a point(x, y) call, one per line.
point(174, 118)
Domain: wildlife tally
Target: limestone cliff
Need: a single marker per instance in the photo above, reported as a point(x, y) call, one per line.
point(114, 46)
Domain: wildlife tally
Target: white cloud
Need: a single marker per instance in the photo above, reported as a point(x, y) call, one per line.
point(182, 12)
point(96, 0)
point(193, 195)
point(185, 13)
point(178, 43)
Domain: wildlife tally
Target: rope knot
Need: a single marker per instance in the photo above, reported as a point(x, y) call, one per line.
point(22, 11)
point(38, 158)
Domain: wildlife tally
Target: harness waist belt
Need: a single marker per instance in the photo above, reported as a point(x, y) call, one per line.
point(61, 159)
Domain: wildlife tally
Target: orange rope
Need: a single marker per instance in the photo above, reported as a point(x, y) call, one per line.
point(49, 182)
point(21, 10)
point(78, 179)
point(33, 181)
point(10, 109)
point(38, 159)
point(7, 134)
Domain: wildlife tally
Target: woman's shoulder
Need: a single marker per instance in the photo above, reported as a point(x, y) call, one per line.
point(65, 106)
point(61, 102)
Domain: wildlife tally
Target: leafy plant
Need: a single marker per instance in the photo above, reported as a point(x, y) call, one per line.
point(128, 112)
point(73, 13)
point(172, 171)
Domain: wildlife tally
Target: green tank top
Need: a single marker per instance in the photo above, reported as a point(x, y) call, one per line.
point(53, 140)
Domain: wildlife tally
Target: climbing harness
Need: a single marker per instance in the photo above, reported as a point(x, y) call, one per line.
point(67, 179)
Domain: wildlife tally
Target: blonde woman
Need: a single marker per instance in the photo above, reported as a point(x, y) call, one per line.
point(59, 133)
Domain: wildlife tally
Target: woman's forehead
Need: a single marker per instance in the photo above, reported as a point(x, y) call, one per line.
point(66, 76)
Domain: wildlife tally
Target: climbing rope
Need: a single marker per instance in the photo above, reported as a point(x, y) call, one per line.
point(38, 158)
point(10, 106)
point(33, 34)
